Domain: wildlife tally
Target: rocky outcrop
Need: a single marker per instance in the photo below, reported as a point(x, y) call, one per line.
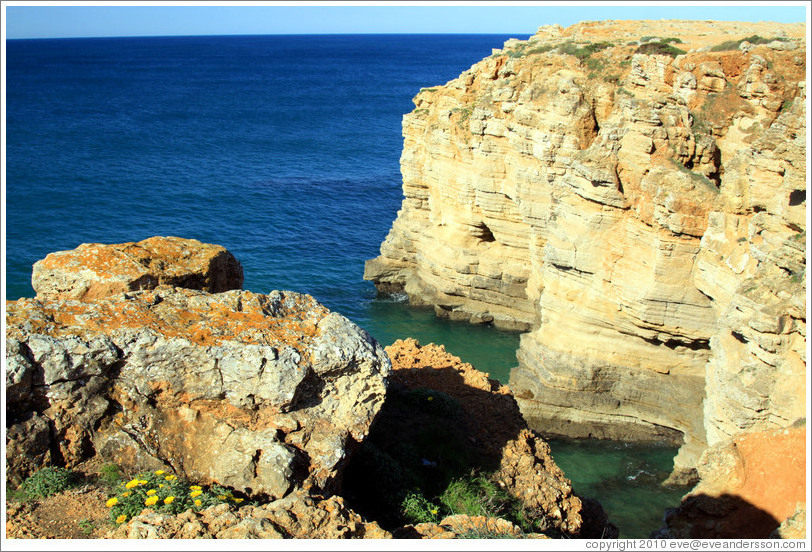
point(639, 211)
point(749, 485)
point(481, 423)
point(95, 270)
point(462, 526)
point(298, 516)
point(260, 393)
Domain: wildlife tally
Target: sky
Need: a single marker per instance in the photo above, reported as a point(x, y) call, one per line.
point(30, 20)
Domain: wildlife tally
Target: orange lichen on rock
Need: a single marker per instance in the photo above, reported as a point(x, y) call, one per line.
point(200, 317)
point(93, 270)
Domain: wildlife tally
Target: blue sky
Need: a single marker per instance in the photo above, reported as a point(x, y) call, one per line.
point(520, 19)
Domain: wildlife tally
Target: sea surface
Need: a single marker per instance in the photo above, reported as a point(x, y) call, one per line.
point(283, 149)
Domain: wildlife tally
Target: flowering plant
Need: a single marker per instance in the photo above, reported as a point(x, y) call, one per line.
point(165, 493)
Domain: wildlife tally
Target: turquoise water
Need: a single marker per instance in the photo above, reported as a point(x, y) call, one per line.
point(284, 149)
point(625, 477)
point(488, 349)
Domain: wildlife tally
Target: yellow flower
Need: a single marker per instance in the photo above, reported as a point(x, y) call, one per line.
point(151, 500)
point(170, 477)
point(112, 502)
point(169, 499)
point(195, 493)
point(195, 487)
point(430, 398)
point(122, 518)
point(238, 500)
point(222, 497)
point(125, 495)
point(161, 486)
point(151, 492)
point(198, 502)
point(143, 482)
point(133, 483)
point(434, 511)
point(159, 472)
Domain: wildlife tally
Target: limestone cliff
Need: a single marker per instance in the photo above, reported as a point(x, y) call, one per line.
point(633, 195)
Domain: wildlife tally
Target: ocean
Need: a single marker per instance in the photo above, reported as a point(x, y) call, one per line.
point(283, 149)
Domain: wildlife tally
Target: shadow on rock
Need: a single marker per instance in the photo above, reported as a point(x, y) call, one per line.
point(443, 422)
point(717, 517)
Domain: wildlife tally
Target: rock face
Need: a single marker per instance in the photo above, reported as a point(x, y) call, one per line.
point(95, 270)
point(261, 393)
point(640, 213)
point(749, 485)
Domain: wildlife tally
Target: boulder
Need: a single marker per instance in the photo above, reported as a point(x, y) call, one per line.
point(261, 393)
point(95, 270)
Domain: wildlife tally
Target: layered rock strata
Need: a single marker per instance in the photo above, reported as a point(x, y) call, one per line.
point(260, 393)
point(639, 210)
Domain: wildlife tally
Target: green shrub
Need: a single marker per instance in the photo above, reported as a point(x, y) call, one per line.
point(540, 49)
point(434, 402)
point(659, 49)
point(474, 533)
point(753, 39)
point(163, 492)
point(415, 508)
point(582, 52)
point(49, 481)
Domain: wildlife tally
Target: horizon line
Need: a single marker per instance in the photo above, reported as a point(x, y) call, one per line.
point(382, 33)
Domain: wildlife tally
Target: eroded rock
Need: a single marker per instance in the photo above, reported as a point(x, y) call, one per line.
point(434, 395)
point(261, 393)
point(298, 516)
point(749, 486)
point(95, 270)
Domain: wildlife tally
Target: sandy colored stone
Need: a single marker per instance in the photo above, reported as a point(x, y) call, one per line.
point(641, 216)
point(95, 270)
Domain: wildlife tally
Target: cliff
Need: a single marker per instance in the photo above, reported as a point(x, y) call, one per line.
point(633, 196)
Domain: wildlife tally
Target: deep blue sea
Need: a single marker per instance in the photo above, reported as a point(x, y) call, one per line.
point(283, 149)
